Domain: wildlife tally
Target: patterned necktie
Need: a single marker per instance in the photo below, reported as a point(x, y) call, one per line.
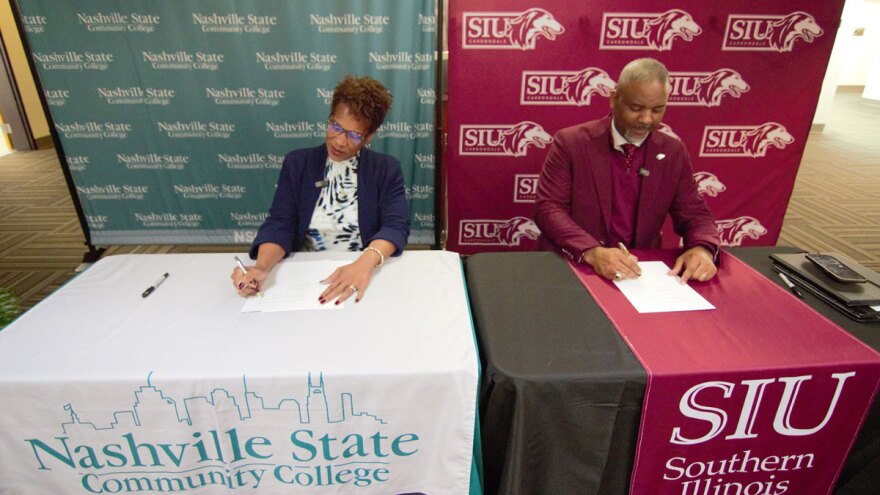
point(629, 151)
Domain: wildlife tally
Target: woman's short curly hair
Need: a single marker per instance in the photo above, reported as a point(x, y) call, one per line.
point(366, 98)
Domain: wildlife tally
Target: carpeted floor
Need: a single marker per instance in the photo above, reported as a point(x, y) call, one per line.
point(835, 205)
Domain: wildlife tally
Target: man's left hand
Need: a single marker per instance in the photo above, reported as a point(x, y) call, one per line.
point(698, 264)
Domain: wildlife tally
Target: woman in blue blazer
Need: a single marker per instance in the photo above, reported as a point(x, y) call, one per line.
point(337, 196)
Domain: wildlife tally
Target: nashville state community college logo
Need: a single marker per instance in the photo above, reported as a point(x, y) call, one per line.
point(497, 232)
point(564, 87)
point(743, 140)
point(503, 140)
point(133, 454)
point(734, 230)
point(769, 33)
point(708, 184)
point(508, 30)
point(705, 88)
point(646, 31)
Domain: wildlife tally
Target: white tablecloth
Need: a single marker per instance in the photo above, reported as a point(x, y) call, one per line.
point(104, 391)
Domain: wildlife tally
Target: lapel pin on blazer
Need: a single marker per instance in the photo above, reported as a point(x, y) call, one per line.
point(661, 156)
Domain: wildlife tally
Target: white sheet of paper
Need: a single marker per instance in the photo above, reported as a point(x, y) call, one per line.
point(294, 286)
point(657, 292)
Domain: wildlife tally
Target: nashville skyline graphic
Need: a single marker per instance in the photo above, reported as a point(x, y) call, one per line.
point(153, 408)
point(224, 456)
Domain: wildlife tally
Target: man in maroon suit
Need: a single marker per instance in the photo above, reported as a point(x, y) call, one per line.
point(609, 184)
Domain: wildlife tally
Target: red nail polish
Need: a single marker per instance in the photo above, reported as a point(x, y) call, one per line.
point(337, 302)
point(241, 285)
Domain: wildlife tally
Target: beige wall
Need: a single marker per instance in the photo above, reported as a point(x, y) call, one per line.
point(26, 87)
point(861, 51)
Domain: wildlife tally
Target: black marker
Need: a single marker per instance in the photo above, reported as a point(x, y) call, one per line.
point(157, 283)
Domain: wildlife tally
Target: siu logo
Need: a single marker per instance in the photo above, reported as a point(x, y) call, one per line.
point(743, 140)
point(646, 31)
point(693, 407)
point(708, 184)
point(665, 129)
point(733, 230)
point(508, 30)
point(497, 232)
point(504, 140)
point(564, 87)
point(525, 188)
point(705, 88)
point(769, 33)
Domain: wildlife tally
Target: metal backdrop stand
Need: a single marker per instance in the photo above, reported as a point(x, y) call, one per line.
point(439, 135)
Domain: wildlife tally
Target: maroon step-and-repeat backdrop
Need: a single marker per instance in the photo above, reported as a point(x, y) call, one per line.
point(745, 76)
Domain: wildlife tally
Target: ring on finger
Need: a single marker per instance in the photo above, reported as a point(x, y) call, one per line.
point(618, 275)
point(353, 289)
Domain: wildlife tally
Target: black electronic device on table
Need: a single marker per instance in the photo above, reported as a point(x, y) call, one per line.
point(806, 273)
point(837, 269)
point(863, 314)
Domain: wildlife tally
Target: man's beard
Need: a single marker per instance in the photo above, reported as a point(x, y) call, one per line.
point(628, 135)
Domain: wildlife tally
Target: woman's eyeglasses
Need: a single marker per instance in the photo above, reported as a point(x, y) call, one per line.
point(336, 129)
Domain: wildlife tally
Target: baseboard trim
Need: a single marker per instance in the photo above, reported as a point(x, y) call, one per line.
point(45, 142)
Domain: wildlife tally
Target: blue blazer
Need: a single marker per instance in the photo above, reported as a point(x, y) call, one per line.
point(382, 207)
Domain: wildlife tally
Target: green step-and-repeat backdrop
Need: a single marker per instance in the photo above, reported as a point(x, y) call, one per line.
point(174, 116)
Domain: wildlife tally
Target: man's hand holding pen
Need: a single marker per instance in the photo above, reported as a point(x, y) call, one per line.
point(613, 263)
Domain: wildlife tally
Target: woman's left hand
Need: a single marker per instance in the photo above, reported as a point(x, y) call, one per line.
point(349, 280)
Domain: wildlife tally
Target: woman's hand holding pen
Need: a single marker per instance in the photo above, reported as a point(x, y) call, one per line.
point(248, 283)
point(249, 280)
point(346, 281)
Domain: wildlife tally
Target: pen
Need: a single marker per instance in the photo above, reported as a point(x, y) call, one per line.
point(157, 283)
point(794, 289)
point(623, 248)
point(244, 270)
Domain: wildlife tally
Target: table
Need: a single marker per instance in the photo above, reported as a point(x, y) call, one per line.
point(108, 392)
point(561, 393)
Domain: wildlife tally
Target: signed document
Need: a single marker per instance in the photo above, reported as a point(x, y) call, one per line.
point(658, 292)
point(294, 286)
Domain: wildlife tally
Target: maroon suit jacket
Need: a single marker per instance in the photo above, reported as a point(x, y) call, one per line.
point(573, 205)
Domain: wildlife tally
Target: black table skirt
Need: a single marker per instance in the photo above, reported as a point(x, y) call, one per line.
point(561, 393)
